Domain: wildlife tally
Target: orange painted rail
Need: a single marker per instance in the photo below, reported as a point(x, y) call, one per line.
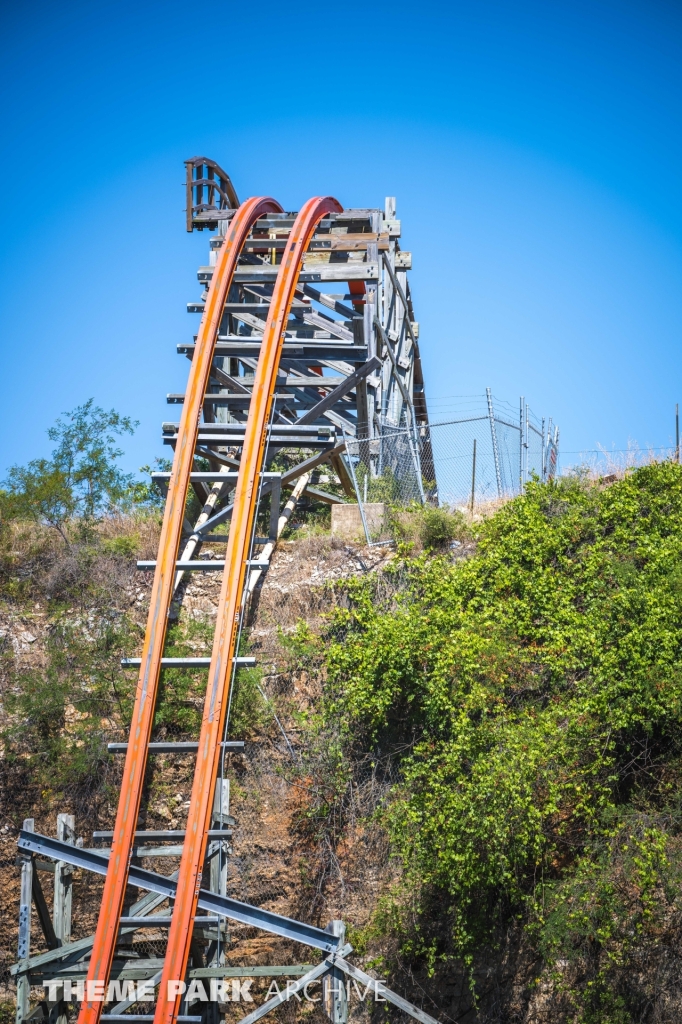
point(230, 609)
point(161, 596)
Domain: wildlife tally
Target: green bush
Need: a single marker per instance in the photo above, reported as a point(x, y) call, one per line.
point(60, 717)
point(82, 481)
point(532, 696)
point(439, 526)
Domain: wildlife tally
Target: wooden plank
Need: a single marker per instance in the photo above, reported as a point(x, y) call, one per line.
point(142, 969)
point(339, 467)
point(260, 307)
point(325, 323)
point(330, 301)
point(334, 993)
point(293, 988)
point(169, 833)
point(347, 242)
point(324, 272)
point(24, 943)
point(325, 496)
point(145, 905)
point(227, 401)
point(306, 349)
point(382, 992)
point(338, 392)
point(43, 913)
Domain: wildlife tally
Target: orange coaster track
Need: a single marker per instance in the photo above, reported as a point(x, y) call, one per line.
point(211, 438)
point(108, 926)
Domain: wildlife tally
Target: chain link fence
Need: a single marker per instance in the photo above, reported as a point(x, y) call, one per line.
point(475, 451)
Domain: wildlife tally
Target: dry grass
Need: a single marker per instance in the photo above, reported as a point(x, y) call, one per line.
point(141, 530)
point(609, 466)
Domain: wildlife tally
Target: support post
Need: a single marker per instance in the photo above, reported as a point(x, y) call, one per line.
point(473, 479)
point(334, 995)
point(221, 813)
point(526, 436)
point(63, 879)
point(357, 492)
point(275, 498)
point(677, 432)
point(24, 945)
point(521, 402)
point(493, 437)
point(217, 855)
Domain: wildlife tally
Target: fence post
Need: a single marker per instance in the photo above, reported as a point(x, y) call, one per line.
point(357, 489)
point(526, 439)
point(677, 432)
point(413, 436)
point(473, 479)
point(521, 404)
point(493, 435)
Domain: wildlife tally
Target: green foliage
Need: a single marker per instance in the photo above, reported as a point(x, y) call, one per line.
point(59, 718)
point(182, 691)
point(144, 493)
point(8, 1013)
point(80, 479)
point(40, 491)
point(440, 526)
point(124, 546)
point(532, 697)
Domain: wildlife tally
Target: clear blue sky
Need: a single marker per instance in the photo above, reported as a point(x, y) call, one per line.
point(535, 150)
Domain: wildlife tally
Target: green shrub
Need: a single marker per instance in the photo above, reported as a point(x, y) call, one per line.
point(60, 717)
point(123, 547)
point(439, 526)
point(532, 697)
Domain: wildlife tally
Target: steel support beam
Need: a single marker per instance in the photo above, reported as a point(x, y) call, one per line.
point(214, 903)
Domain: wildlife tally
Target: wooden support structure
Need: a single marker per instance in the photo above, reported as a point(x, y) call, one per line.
point(63, 882)
point(307, 337)
point(24, 944)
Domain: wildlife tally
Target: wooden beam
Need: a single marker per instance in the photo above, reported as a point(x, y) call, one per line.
point(63, 881)
point(337, 394)
point(43, 913)
point(24, 944)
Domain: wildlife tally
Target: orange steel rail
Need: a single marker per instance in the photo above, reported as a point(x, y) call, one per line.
point(161, 596)
point(230, 608)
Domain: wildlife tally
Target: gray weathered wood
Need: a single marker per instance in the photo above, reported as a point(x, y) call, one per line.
point(169, 833)
point(43, 911)
point(330, 301)
point(294, 988)
point(63, 879)
point(145, 905)
point(325, 496)
point(181, 745)
point(334, 996)
point(24, 944)
point(275, 500)
point(186, 746)
point(338, 393)
point(384, 993)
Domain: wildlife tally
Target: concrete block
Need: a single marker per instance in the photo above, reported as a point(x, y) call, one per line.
point(347, 522)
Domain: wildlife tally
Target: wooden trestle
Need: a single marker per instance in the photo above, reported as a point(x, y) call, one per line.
point(270, 368)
